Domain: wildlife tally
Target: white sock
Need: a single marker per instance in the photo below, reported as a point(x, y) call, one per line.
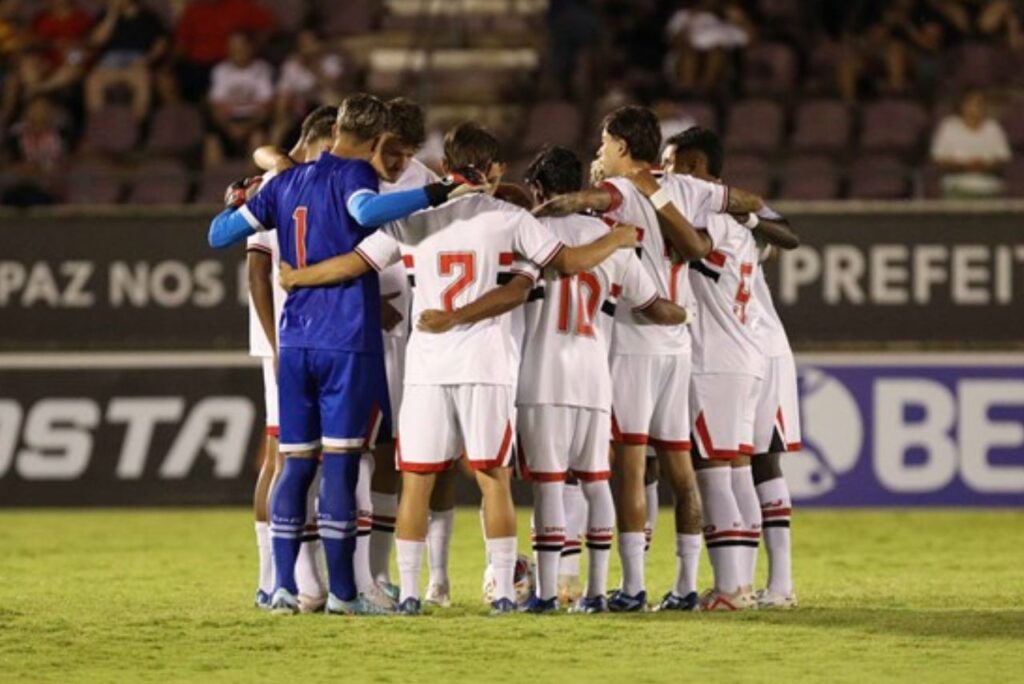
point(439, 541)
point(652, 513)
point(750, 511)
point(483, 533)
point(548, 535)
point(410, 558)
point(631, 552)
point(382, 535)
point(776, 509)
point(502, 552)
point(309, 566)
point(688, 560)
point(600, 527)
point(364, 522)
point(575, 522)
point(723, 528)
point(266, 554)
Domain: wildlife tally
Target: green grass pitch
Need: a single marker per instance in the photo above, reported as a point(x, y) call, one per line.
point(164, 596)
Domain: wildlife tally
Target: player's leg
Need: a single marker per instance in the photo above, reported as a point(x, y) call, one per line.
point(651, 477)
point(569, 587)
point(485, 414)
point(633, 378)
point(750, 511)
point(261, 496)
point(439, 539)
point(364, 523)
point(777, 430)
point(384, 486)
point(308, 573)
point(543, 448)
point(590, 464)
point(670, 432)
point(431, 442)
point(300, 444)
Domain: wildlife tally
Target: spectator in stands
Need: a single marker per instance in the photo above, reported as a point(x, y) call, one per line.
point(201, 38)
point(241, 95)
point(130, 40)
point(56, 63)
point(971, 149)
point(574, 27)
point(702, 38)
point(12, 40)
point(1006, 18)
point(310, 76)
point(38, 147)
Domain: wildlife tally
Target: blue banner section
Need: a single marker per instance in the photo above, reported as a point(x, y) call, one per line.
point(910, 430)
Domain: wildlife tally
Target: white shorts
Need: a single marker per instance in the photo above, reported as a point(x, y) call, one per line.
point(394, 365)
point(270, 395)
point(724, 405)
point(650, 400)
point(777, 421)
point(553, 440)
point(438, 423)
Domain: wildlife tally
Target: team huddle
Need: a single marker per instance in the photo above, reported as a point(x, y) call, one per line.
point(575, 336)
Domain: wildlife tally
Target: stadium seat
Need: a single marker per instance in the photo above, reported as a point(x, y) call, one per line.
point(552, 123)
point(1015, 179)
point(977, 65)
point(821, 64)
point(755, 126)
point(111, 130)
point(769, 69)
point(351, 17)
point(176, 128)
point(750, 173)
point(1013, 124)
point(216, 179)
point(893, 126)
point(810, 177)
point(821, 126)
point(159, 181)
point(879, 177)
point(289, 15)
point(93, 182)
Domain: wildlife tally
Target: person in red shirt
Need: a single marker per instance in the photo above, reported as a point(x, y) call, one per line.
point(201, 37)
point(62, 28)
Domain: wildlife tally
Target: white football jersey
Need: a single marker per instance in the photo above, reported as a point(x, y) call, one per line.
point(454, 254)
point(265, 241)
point(776, 342)
point(393, 279)
point(696, 199)
point(727, 331)
point(565, 360)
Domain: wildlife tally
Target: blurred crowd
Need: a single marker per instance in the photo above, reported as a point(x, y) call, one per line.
point(201, 82)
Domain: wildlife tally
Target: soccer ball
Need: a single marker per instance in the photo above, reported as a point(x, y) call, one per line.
point(523, 576)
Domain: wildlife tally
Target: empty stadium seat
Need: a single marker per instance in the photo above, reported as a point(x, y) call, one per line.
point(879, 177)
point(553, 123)
point(93, 182)
point(810, 177)
point(1015, 179)
point(977, 65)
point(769, 69)
point(159, 181)
point(1013, 124)
point(351, 17)
point(176, 128)
point(216, 179)
point(755, 126)
point(111, 130)
point(821, 126)
point(893, 126)
point(750, 173)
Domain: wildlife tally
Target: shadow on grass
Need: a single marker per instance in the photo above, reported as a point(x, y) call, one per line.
point(954, 624)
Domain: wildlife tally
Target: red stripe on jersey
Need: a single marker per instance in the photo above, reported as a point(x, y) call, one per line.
point(747, 449)
point(615, 199)
point(408, 260)
point(715, 257)
point(259, 248)
point(506, 258)
point(794, 446)
point(615, 290)
point(273, 431)
point(608, 222)
point(708, 446)
point(500, 460)
point(782, 422)
point(367, 259)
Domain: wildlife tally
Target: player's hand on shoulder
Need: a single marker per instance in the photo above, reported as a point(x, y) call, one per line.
point(286, 277)
point(556, 206)
point(626, 235)
point(644, 181)
point(469, 180)
point(389, 315)
point(241, 190)
point(436, 321)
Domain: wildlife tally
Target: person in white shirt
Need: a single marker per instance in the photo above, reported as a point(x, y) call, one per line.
point(240, 98)
point(311, 75)
point(971, 149)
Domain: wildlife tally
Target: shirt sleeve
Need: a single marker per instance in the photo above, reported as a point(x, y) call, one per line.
point(260, 242)
point(379, 250)
point(706, 198)
point(526, 268)
point(260, 209)
point(717, 229)
point(361, 179)
point(218, 84)
point(534, 241)
point(627, 205)
point(638, 290)
point(1000, 148)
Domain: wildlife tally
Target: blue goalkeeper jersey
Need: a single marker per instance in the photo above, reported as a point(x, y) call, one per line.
point(307, 204)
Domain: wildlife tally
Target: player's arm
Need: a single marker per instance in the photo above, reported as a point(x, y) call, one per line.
point(237, 221)
point(572, 260)
point(339, 269)
point(740, 201)
point(664, 312)
point(771, 227)
point(371, 209)
point(495, 302)
point(259, 265)
point(687, 241)
point(273, 158)
point(594, 199)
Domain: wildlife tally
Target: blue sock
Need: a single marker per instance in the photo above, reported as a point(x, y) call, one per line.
point(288, 517)
point(336, 518)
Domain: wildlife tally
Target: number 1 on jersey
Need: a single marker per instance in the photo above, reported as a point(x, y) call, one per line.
point(300, 236)
point(449, 261)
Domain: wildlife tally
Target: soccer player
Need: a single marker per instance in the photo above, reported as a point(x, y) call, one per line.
point(333, 393)
point(457, 384)
point(265, 303)
point(651, 364)
point(777, 419)
point(564, 394)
